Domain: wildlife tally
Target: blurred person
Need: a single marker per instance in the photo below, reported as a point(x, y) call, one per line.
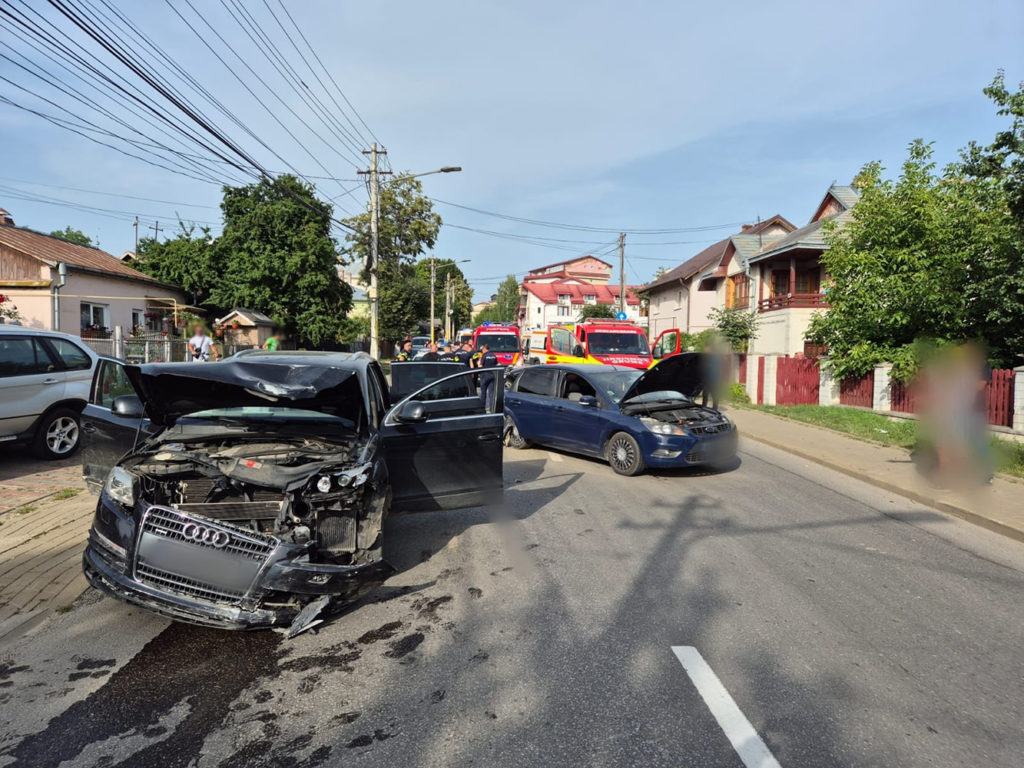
point(446, 356)
point(486, 359)
point(464, 354)
point(273, 343)
point(200, 346)
point(405, 355)
point(713, 363)
point(431, 356)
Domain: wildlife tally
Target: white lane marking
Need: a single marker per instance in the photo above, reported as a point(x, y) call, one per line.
point(554, 456)
point(741, 734)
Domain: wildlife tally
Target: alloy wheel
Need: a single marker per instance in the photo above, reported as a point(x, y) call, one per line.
point(62, 435)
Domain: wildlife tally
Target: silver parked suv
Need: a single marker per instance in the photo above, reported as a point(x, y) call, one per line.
point(44, 383)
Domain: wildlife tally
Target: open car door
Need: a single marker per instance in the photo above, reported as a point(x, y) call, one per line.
point(443, 443)
point(667, 344)
point(106, 436)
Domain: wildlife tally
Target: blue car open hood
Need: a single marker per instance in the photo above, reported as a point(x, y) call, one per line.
point(681, 373)
point(171, 390)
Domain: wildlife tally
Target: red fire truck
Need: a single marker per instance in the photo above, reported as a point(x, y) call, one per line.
point(502, 340)
point(606, 342)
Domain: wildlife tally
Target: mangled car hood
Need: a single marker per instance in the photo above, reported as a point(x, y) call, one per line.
point(170, 391)
point(678, 373)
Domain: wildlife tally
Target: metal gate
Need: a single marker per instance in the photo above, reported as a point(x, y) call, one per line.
point(858, 392)
point(797, 382)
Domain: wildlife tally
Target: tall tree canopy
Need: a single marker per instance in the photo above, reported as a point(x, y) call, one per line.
point(72, 236)
point(276, 254)
point(927, 258)
point(506, 300)
point(407, 229)
point(599, 311)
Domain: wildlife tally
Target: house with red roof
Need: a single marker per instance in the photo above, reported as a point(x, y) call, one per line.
point(64, 286)
point(556, 293)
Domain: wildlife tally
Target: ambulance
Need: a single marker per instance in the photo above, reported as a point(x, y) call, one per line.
point(501, 339)
point(602, 342)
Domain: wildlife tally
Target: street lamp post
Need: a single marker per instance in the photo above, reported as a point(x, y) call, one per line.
point(433, 280)
point(374, 175)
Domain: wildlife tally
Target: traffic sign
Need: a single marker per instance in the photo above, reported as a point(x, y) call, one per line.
point(620, 316)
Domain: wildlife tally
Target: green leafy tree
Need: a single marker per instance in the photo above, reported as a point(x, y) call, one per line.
point(407, 228)
point(597, 311)
point(276, 255)
point(913, 265)
point(506, 300)
point(489, 314)
point(185, 260)
point(737, 326)
point(76, 236)
point(462, 295)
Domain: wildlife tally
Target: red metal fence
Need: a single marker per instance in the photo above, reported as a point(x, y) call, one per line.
point(999, 398)
point(903, 397)
point(796, 381)
point(858, 391)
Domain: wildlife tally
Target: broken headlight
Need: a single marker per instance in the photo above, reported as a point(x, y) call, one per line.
point(120, 486)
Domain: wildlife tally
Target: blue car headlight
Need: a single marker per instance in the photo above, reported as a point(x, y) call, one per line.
point(120, 486)
point(663, 427)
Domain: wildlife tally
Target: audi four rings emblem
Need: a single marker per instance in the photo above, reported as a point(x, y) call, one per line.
point(200, 534)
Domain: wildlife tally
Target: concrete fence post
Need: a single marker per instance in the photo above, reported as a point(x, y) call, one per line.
point(118, 350)
point(828, 386)
point(1018, 399)
point(751, 384)
point(771, 371)
point(881, 397)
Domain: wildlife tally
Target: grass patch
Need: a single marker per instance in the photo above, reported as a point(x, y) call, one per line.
point(65, 608)
point(67, 493)
point(1008, 457)
point(26, 509)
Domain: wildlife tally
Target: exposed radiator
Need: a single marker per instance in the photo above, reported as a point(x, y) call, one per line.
point(234, 510)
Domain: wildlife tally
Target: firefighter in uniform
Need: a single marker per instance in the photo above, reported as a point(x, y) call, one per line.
point(405, 355)
point(486, 359)
point(464, 355)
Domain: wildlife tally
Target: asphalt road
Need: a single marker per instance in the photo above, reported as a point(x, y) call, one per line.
point(849, 626)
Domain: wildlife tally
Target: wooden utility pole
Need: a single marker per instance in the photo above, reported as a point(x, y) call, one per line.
point(448, 332)
point(136, 225)
point(156, 230)
point(622, 271)
point(433, 281)
point(371, 267)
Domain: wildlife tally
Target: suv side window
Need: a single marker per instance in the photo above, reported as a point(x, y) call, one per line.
point(71, 355)
point(110, 383)
point(537, 381)
point(23, 356)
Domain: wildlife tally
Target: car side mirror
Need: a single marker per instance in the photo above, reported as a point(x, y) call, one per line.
point(411, 412)
point(588, 401)
point(577, 351)
point(127, 407)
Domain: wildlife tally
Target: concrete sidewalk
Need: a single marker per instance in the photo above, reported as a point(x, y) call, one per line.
point(999, 507)
point(41, 559)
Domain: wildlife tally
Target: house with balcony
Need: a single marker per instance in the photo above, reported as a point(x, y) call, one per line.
point(788, 277)
point(555, 293)
point(717, 276)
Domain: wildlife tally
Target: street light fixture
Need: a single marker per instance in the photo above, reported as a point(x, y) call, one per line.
point(375, 238)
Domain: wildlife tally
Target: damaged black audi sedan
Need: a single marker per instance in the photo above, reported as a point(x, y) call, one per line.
point(251, 493)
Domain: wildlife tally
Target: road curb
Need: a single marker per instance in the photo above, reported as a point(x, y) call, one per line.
point(932, 501)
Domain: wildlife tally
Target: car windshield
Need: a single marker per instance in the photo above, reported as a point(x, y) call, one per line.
point(615, 384)
point(499, 342)
point(617, 343)
point(420, 341)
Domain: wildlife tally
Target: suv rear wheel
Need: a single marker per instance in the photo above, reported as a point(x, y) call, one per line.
point(57, 435)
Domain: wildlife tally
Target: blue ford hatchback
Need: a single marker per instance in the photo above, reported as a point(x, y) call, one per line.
point(631, 418)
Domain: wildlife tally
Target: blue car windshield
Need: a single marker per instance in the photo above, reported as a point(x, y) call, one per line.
point(614, 384)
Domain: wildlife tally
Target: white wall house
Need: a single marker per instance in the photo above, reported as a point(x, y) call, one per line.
point(556, 293)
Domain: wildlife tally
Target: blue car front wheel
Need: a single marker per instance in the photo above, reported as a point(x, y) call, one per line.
point(623, 454)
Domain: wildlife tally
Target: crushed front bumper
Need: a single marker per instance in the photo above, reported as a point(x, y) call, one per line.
point(151, 565)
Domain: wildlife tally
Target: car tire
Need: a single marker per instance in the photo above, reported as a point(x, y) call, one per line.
point(623, 454)
point(58, 434)
point(512, 437)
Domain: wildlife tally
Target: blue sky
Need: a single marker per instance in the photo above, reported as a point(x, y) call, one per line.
point(639, 116)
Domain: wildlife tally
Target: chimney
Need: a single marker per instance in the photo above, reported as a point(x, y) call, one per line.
point(6, 220)
point(747, 226)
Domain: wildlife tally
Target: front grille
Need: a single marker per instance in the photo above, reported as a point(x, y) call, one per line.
point(234, 510)
point(711, 429)
point(172, 582)
point(169, 524)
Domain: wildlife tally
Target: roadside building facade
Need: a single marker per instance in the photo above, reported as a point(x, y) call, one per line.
point(556, 293)
point(77, 289)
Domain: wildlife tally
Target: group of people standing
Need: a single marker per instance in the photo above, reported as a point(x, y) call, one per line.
point(464, 354)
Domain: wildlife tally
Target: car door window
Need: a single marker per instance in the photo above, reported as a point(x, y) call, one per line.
point(537, 381)
point(23, 356)
point(452, 398)
point(575, 387)
point(562, 341)
point(110, 383)
point(71, 355)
